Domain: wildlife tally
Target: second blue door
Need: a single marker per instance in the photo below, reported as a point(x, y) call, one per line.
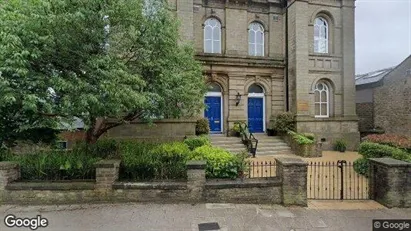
point(213, 112)
point(255, 115)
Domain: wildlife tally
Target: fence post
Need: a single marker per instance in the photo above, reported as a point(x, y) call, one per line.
point(106, 173)
point(390, 182)
point(9, 172)
point(293, 174)
point(196, 180)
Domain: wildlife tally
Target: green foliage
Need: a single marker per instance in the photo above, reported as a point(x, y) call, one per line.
point(144, 161)
point(237, 127)
point(220, 163)
point(374, 150)
point(300, 138)
point(196, 142)
point(361, 166)
point(285, 122)
point(202, 127)
point(54, 165)
point(104, 148)
point(103, 59)
point(340, 145)
point(310, 136)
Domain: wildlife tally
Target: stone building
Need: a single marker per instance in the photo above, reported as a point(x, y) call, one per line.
point(384, 99)
point(262, 57)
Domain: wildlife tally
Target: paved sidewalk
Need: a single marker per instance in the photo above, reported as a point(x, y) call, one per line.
point(184, 217)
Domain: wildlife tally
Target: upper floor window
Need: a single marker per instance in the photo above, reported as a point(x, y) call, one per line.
point(320, 36)
point(256, 39)
point(212, 36)
point(322, 100)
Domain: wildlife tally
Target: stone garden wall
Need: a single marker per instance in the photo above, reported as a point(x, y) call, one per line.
point(290, 180)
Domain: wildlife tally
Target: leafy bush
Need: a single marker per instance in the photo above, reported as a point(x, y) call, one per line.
point(220, 163)
point(361, 166)
point(196, 142)
point(340, 145)
point(398, 141)
point(284, 122)
point(300, 138)
point(55, 165)
point(202, 127)
point(144, 161)
point(103, 148)
point(310, 136)
point(374, 150)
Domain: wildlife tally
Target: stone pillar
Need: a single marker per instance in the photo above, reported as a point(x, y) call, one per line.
point(196, 180)
point(293, 174)
point(106, 173)
point(9, 172)
point(390, 182)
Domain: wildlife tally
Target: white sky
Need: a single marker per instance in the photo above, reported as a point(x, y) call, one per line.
point(383, 33)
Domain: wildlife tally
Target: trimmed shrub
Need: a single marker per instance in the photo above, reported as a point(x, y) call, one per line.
point(220, 163)
point(398, 141)
point(361, 166)
point(196, 142)
point(284, 122)
point(202, 127)
point(340, 145)
point(374, 150)
point(310, 136)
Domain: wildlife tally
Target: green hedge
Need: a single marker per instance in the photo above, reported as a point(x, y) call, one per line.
point(374, 150)
point(196, 142)
point(220, 163)
point(301, 138)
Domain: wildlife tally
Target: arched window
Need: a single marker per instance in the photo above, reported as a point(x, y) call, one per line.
point(213, 87)
point(256, 89)
point(256, 39)
point(322, 100)
point(320, 35)
point(212, 36)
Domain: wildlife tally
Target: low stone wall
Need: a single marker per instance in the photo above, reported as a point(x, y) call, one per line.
point(196, 189)
point(390, 182)
point(304, 150)
point(160, 130)
point(257, 191)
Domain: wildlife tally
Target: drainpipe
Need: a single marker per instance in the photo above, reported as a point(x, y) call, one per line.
point(287, 103)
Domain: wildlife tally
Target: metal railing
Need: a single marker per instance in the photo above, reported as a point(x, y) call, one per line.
point(248, 139)
point(261, 169)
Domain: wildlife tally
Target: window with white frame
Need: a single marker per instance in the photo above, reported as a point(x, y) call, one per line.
point(320, 35)
point(322, 100)
point(256, 39)
point(212, 36)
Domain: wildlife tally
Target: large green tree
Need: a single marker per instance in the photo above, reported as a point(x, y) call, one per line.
point(107, 62)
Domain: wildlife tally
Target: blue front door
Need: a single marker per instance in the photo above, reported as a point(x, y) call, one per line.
point(213, 112)
point(255, 114)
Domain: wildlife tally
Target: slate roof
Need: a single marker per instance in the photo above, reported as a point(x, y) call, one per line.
point(372, 77)
point(77, 124)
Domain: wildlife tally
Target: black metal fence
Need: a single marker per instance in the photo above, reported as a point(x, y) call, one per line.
point(335, 181)
point(261, 169)
point(56, 174)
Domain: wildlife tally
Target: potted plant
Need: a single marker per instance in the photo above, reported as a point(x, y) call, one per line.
point(236, 130)
point(340, 145)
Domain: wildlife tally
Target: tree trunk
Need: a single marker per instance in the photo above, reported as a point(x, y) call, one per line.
point(91, 137)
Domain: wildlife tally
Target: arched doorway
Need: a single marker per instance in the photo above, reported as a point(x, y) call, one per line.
point(256, 109)
point(214, 108)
